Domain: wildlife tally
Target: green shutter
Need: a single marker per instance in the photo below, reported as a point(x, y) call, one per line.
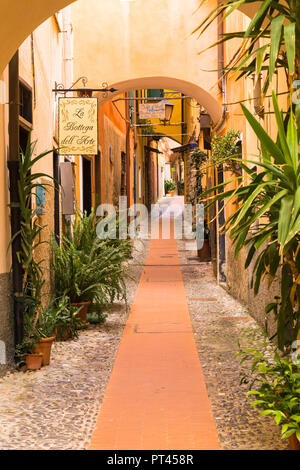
point(155, 93)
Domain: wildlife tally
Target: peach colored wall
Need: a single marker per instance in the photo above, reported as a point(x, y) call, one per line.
point(49, 67)
point(4, 183)
point(25, 16)
point(118, 42)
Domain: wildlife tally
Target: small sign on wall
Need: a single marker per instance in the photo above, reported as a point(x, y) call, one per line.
point(152, 111)
point(40, 199)
point(78, 126)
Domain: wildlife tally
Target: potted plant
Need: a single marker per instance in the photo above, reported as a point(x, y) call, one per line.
point(170, 187)
point(66, 319)
point(30, 231)
point(88, 270)
point(275, 383)
point(45, 328)
point(26, 350)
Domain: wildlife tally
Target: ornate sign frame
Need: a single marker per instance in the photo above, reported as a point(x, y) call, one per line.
point(78, 126)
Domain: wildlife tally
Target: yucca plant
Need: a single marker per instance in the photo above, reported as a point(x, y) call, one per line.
point(270, 42)
point(267, 219)
point(33, 271)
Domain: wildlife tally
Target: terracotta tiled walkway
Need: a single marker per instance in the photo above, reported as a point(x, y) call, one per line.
point(156, 397)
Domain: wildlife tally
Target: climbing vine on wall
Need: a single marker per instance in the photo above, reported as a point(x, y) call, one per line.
point(224, 148)
point(197, 158)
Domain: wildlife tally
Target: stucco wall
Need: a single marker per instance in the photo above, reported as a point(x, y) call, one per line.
point(115, 140)
point(40, 66)
point(127, 43)
point(239, 285)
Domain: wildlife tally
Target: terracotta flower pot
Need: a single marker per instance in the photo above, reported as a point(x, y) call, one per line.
point(83, 311)
point(34, 361)
point(44, 347)
point(294, 443)
point(171, 193)
point(63, 333)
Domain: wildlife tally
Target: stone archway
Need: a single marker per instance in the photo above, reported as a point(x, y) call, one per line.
point(120, 51)
point(170, 83)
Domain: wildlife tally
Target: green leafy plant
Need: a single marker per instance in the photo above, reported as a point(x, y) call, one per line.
point(275, 383)
point(62, 318)
point(87, 268)
point(225, 150)
point(275, 24)
point(26, 347)
point(267, 219)
point(33, 271)
point(169, 186)
point(197, 158)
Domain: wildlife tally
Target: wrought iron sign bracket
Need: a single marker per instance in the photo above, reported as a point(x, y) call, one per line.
point(60, 89)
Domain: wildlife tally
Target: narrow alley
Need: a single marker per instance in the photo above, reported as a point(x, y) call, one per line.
point(150, 227)
point(164, 377)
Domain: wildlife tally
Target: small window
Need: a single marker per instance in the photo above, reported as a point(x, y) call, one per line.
point(25, 102)
point(155, 93)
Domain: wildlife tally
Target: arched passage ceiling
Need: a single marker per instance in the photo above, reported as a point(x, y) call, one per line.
point(134, 39)
point(169, 83)
point(121, 43)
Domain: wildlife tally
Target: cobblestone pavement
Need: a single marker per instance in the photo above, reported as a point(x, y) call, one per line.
point(57, 406)
point(219, 321)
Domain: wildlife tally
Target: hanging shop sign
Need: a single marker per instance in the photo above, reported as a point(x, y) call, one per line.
point(78, 126)
point(152, 111)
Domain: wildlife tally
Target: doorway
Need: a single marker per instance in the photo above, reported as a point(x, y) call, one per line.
point(87, 185)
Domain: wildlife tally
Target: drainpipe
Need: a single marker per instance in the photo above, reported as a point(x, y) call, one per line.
point(13, 166)
point(128, 182)
point(222, 82)
point(221, 241)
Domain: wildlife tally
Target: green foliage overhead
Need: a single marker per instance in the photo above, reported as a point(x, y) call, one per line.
point(270, 42)
point(267, 219)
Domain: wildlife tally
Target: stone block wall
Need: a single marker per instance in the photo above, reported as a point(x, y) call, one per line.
point(239, 286)
point(6, 322)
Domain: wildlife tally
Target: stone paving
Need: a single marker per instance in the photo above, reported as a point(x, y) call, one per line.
point(156, 397)
point(57, 407)
point(219, 321)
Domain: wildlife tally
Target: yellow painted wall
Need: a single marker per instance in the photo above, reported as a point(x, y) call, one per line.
point(173, 131)
point(119, 43)
point(24, 16)
point(4, 183)
point(49, 67)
